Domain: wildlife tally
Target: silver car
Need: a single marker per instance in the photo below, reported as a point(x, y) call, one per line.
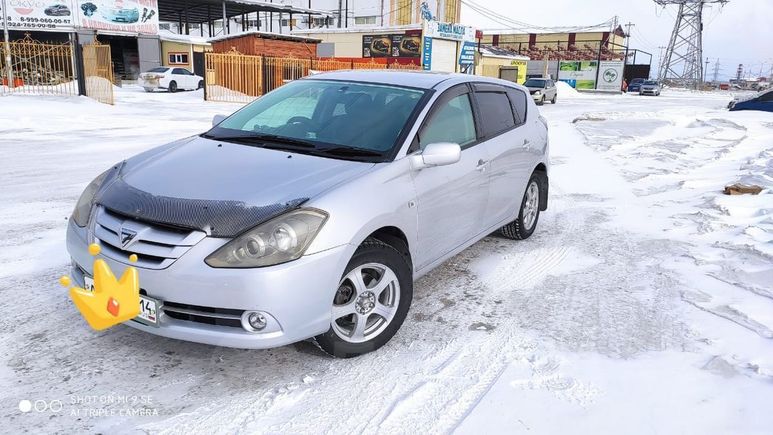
point(542, 90)
point(310, 212)
point(650, 87)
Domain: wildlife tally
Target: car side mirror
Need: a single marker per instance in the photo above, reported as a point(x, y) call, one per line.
point(217, 119)
point(438, 154)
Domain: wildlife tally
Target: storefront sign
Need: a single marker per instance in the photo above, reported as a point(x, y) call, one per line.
point(133, 16)
point(578, 74)
point(467, 53)
point(400, 45)
point(426, 54)
point(456, 32)
point(610, 75)
point(46, 15)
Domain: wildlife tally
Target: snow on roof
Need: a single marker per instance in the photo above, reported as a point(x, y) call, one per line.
point(166, 35)
point(375, 29)
point(267, 35)
point(550, 30)
point(500, 52)
point(287, 8)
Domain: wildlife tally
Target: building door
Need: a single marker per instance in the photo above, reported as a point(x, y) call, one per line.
point(198, 63)
point(149, 50)
point(444, 55)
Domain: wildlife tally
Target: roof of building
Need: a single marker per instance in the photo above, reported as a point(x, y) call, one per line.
point(166, 35)
point(202, 11)
point(265, 35)
point(556, 30)
point(501, 52)
point(375, 29)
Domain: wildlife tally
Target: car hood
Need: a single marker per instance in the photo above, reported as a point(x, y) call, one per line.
point(532, 89)
point(197, 182)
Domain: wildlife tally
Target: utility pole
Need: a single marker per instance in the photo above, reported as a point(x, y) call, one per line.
point(7, 45)
point(340, 11)
point(716, 71)
point(705, 69)
point(660, 61)
point(627, 43)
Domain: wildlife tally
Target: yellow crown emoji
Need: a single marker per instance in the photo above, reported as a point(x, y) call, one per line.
point(112, 301)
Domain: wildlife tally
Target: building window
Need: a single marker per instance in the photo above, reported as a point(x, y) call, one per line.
point(164, 26)
point(286, 23)
point(359, 21)
point(178, 58)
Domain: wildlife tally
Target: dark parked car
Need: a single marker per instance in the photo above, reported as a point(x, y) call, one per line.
point(762, 101)
point(635, 85)
point(57, 11)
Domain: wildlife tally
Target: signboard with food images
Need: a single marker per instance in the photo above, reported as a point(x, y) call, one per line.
point(132, 16)
point(44, 15)
point(399, 45)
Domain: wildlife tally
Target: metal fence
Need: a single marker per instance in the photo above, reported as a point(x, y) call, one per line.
point(98, 72)
point(38, 68)
point(239, 78)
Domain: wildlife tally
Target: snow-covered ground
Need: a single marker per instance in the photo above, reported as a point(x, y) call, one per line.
point(642, 304)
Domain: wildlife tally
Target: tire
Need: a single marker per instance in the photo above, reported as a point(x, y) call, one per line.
point(528, 215)
point(173, 86)
point(542, 101)
point(555, 98)
point(201, 84)
point(357, 324)
point(148, 89)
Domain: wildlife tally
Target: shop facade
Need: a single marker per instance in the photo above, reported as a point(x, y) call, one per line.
point(447, 47)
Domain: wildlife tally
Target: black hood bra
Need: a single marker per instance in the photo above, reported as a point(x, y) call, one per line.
point(218, 218)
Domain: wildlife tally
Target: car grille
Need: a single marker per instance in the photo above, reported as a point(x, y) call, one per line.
point(206, 315)
point(156, 246)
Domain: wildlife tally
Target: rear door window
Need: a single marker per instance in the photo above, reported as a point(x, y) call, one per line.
point(496, 111)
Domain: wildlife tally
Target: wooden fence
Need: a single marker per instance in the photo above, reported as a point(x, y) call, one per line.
point(238, 78)
point(98, 72)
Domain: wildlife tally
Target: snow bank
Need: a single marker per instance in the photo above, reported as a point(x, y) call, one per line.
point(565, 91)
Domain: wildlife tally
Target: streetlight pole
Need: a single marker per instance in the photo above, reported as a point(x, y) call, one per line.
point(7, 44)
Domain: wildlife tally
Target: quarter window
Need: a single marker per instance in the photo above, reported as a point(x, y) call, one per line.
point(496, 112)
point(453, 122)
point(518, 102)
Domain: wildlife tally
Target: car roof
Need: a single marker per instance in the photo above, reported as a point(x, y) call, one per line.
point(414, 79)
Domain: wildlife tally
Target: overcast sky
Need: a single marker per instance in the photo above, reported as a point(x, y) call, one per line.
point(741, 32)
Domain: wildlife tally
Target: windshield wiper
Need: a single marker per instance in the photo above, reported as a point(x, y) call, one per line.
point(264, 139)
point(350, 152)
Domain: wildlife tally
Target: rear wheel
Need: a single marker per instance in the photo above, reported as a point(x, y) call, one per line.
point(173, 86)
point(201, 84)
point(371, 302)
point(528, 215)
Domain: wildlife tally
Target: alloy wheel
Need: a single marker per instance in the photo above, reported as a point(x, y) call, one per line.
point(365, 303)
point(531, 205)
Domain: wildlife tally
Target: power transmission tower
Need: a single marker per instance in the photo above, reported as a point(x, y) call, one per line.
point(716, 71)
point(682, 64)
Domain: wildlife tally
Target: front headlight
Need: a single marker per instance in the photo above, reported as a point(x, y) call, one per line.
point(282, 239)
point(83, 208)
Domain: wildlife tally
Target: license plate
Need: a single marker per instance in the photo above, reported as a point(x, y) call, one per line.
point(148, 306)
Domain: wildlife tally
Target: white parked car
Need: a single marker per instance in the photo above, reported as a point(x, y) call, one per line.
point(172, 79)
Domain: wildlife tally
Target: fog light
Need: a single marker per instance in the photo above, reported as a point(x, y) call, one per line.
point(257, 321)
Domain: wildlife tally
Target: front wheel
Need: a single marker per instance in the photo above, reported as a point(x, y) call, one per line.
point(173, 86)
point(528, 215)
point(555, 98)
point(541, 102)
point(371, 301)
point(201, 84)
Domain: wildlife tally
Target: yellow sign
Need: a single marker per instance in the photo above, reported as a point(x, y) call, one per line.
point(111, 301)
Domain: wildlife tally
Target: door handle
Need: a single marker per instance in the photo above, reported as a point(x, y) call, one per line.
point(481, 165)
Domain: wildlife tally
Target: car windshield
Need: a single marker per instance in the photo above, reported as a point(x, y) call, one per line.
point(158, 69)
point(535, 83)
point(333, 118)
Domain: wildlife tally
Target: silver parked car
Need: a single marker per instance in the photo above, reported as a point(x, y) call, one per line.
point(542, 90)
point(310, 212)
point(650, 87)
